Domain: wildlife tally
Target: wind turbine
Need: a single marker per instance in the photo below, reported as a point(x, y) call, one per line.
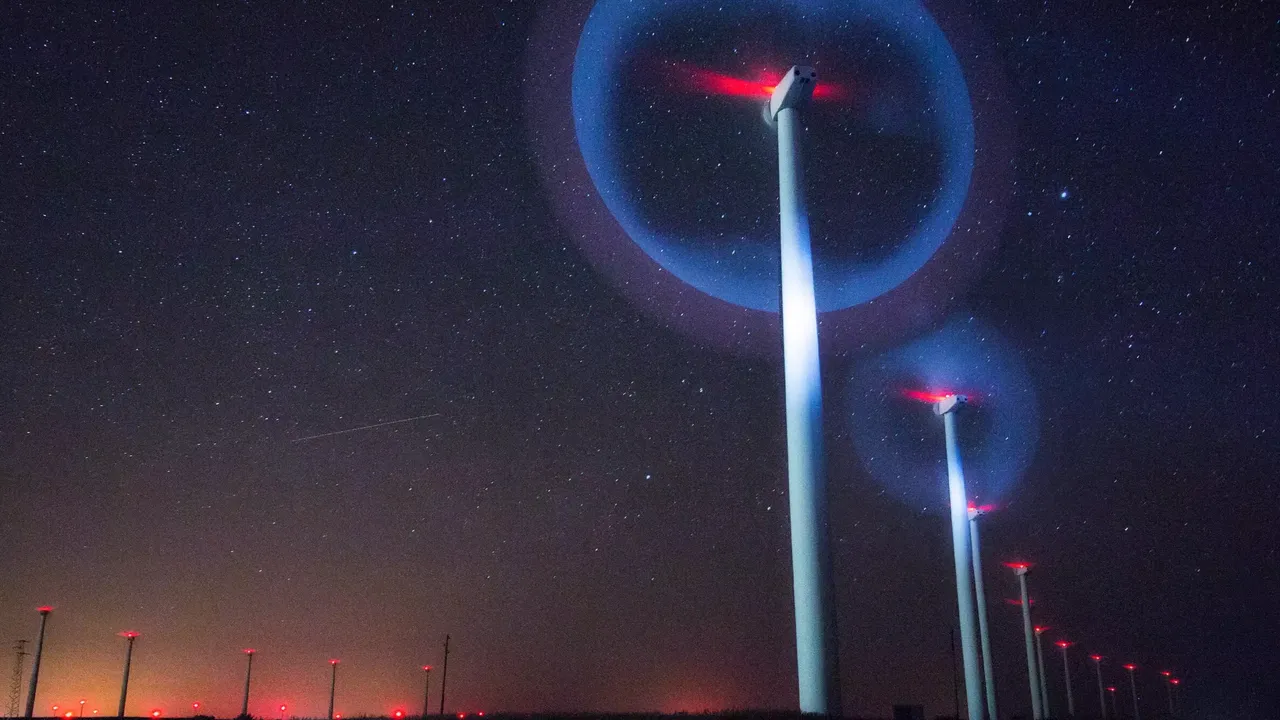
point(35, 664)
point(1066, 673)
point(988, 673)
point(1020, 569)
point(1102, 700)
point(816, 644)
point(128, 661)
point(946, 407)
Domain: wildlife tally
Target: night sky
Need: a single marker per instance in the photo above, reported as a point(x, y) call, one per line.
point(228, 226)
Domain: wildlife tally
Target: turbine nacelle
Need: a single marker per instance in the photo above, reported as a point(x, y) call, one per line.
point(950, 404)
point(793, 90)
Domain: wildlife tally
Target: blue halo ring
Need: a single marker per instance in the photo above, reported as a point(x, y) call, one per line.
point(899, 440)
point(908, 307)
point(729, 271)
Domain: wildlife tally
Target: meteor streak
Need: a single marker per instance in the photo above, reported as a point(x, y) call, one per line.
point(365, 427)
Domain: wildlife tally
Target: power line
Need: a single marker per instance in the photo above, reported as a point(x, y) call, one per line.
point(15, 684)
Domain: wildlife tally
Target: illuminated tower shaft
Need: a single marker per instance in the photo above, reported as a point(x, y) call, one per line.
point(1133, 686)
point(960, 552)
point(816, 651)
point(124, 683)
point(1066, 676)
point(988, 673)
point(1033, 675)
point(35, 664)
point(1044, 678)
point(1102, 698)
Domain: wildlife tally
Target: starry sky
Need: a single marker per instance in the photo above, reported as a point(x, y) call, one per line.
point(228, 226)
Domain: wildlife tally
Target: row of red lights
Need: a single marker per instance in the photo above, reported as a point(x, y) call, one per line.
point(1064, 644)
point(400, 714)
point(131, 634)
point(937, 396)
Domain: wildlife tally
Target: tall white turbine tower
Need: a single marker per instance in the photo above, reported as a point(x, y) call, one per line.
point(1102, 698)
point(1033, 674)
point(816, 647)
point(1044, 677)
point(947, 408)
point(979, 587)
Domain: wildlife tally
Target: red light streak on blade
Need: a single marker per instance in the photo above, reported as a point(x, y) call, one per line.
point(715, 83)
point(937, 396)
point(923, 396)
point(1018, 565)
point(718, 83)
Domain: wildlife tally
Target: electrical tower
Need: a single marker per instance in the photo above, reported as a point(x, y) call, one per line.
point(15, 684)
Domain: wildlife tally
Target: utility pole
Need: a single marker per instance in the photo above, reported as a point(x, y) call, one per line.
point(15, 684)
